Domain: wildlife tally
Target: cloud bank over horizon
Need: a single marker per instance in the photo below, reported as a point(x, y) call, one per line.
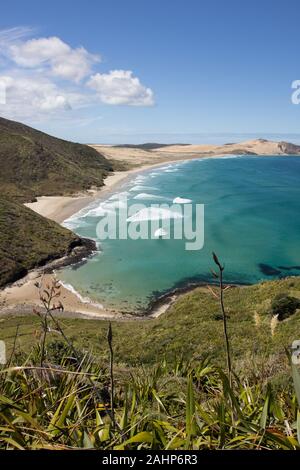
point(45, 76)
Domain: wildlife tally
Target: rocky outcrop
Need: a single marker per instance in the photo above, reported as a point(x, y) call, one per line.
point(288, 148)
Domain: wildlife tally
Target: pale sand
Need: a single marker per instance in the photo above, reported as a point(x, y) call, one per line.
point(22, 298)
point(59, 208)
point(140, 157)
point(258, 146)
point(24, 295)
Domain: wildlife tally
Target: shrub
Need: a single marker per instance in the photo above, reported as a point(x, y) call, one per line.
point(284, 306)
point(57, 351)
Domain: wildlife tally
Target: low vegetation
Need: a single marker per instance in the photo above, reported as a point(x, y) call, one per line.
point(59, 396)
point(284, 306)
point(34, 164)
point(192, 326)
point(167, 406)
point(28, 240)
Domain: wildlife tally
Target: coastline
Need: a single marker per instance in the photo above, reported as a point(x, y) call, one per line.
point(22, 296)
point(60, 208)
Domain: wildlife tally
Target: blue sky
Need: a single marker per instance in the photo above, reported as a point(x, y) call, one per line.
point(121, 71)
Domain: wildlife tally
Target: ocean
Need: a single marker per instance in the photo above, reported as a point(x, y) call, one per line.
point(251, 220)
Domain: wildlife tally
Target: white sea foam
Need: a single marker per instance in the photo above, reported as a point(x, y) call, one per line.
point(84, 300)
point(121, 195)
point(76, 219)
point(147, 196)
point(119, 204)
point(165, 167)
point(99, 211)
point(160, 232)
point(140, 178)
point(181, 200)
point(140, 188)
point(154, 213)
point(71, 224)
point(74, 223)
point(107, 207)
point(216, 157)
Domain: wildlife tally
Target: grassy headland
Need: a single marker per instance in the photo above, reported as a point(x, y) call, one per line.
point(28, 240)
point(34, 163)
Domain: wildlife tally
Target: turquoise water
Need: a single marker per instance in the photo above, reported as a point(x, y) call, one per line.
point(252, 221)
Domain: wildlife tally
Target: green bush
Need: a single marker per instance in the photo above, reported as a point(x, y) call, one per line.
point(284, 306)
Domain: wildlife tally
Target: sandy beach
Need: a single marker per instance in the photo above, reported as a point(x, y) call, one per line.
point(59, 208)
point(22, 296)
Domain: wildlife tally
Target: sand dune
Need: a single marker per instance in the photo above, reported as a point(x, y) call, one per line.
point(258, 146)
point(59, 208)
point(139, 157)
point(22, 296)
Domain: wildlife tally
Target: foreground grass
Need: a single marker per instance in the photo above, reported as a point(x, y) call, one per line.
point(63, 394)
point(191, 327)
point(179, 406)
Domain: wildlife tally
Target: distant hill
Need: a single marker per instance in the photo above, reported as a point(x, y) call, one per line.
point(146, 146)
point(152, 153)
point(28, 240)
point(34, 163)
point(249, 147)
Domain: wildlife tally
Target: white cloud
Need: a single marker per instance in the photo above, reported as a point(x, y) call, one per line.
point(36, 52)
point(32, 96)
point(120, 87)
point(11, 35)
point(63, 61)
point(44, 77)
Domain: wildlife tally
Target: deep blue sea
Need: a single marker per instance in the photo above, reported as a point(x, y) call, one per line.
point(252, 221)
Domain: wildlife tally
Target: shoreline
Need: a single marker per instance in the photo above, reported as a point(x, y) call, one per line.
point(25, 293)
point(60, 208)
point(22, 296)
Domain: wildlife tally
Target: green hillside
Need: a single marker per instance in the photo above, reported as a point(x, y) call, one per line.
point(34, 163)
point(28, 240)
point(166, 386)
point(192, 327)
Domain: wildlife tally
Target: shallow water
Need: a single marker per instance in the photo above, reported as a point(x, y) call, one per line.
point(252, 221)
